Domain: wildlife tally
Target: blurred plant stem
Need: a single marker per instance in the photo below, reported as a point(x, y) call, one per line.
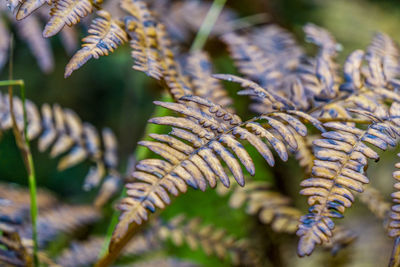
point(24, 146)
point(207, 25)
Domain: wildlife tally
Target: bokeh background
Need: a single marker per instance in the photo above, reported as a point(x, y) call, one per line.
point(108, 92)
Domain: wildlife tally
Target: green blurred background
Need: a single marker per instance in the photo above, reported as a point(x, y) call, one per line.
point(107, 92)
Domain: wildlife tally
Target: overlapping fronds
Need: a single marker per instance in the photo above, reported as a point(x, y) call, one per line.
point(14, 203)
point(210, 239)
point(63, 132)
point(194, 151)
point(271, 207)
point(86, 253)
point(339, 168)
point(106, 34)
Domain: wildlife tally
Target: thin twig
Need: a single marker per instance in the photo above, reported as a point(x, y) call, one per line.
point(207, 25)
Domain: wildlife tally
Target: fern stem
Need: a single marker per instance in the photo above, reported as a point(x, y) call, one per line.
point(207, 25)
point(24, 146)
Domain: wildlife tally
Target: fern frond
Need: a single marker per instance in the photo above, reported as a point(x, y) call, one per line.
point(66, 12)
point(106, 34)
point(142, 30)
point(15, 203)
point(341, 159)
point(190, 154)
point(213, 241)
point(271, 207)
point(29, 6)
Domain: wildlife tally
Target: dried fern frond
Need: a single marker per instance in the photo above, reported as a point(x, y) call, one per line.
point(341, 159)
point(63, 131)
point(106, 34)
point(213, 241)
point(271, 207)
point(61, 219)
point(142, 29)
point(66, 12)
point(15, 203)
point(190, 154)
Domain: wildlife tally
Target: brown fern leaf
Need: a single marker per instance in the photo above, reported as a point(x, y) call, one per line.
point(199, 67)
point(141, 28)
point(29, 6)
point(66, 12)
point(15, 203)
point(106, 34)
point(272, 207)
point(211, 240)
point(341, 159)
point(191, 153)
point(62, 219)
